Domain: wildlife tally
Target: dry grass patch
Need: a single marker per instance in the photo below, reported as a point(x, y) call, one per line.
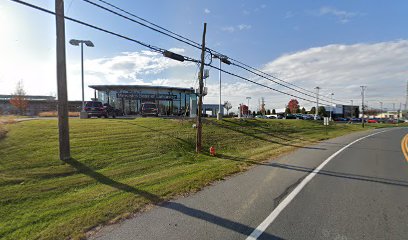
point(55, 114)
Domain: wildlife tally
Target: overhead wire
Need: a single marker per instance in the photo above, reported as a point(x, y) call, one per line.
point(154, 48)
point(157, 49)
point(198, 46)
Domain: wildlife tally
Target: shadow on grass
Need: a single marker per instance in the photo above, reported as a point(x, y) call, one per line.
point(183, 142)
point(386, 181)
point(157, 200)
point(286, 140)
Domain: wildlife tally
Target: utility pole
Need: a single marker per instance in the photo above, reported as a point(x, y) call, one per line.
point(381, 107)
point(200, 95)
point(317, 101)
point(63, 126)
point(363, 88)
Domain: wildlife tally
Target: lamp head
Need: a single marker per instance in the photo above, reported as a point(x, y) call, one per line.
point(74, 42)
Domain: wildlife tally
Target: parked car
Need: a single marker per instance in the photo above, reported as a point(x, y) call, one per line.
point(261, 116)
point(308, 117)
point(290, 116)
point(149, 109)
point(95, 108)
point(111, 111)
point(355, 120)
point(318, 117)
point(372, 121)
point(271, 117)
point(340, 119)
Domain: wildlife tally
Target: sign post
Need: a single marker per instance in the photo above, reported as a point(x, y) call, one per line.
point(326, 123)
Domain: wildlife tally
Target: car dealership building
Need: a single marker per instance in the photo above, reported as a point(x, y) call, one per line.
point(171, 101)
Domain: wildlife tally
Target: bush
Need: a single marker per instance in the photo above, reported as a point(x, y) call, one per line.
point(55, 114)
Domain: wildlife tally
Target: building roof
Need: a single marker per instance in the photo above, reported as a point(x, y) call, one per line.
point(136, 87)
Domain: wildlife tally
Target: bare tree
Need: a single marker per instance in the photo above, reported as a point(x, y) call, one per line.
point(19, 99)
point(228, 106)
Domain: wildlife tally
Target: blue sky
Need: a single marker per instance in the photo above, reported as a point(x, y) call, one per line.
point(337, 45)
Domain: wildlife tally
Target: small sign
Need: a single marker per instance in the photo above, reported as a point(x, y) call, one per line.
point(326, 121)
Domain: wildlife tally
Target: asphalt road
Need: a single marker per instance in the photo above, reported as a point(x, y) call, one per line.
point(361, 193)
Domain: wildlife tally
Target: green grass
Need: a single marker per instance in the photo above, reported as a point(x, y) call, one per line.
point(121, 166)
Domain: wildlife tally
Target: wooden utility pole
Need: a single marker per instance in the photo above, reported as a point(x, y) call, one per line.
point(200, 95)
point(63, 127)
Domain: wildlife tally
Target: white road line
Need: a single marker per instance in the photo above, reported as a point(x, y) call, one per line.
point(262, 227)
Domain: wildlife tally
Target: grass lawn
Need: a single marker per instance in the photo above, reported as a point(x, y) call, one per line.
point(120, 166)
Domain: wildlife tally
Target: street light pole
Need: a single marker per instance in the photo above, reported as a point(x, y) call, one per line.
point(225, 60)
point(317, 101)
point(363, 88)
point(331, 105)
point(381, 107)
point(82, 76)
point(88, 43)
point(219, 116)
point(352, 108)
point(248, 113)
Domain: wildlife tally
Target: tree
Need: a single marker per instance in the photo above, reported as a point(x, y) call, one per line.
point(312, 110)
point(293, 105)
point(268, 112)
point(303, 111)
point(287, 111)
point(298, 109)
point(322, 111)
point(273, 111)
point(228, 106)
point(19, 99)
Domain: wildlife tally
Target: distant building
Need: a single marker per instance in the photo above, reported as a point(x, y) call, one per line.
point(36, 104)
point(391, 114)
point(129, 98)
point(343, 111)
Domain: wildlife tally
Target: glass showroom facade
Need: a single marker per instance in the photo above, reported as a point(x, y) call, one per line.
point(128, 98)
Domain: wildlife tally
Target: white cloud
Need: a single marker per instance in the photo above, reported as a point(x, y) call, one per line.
point(244, 27)
point(207, 11)
point(239, 27)
point(229, 29)
point(341, 69)
point(341, 15)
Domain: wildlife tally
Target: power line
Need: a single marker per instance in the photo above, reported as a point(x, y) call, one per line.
point(260, 84)
point(138, 22)
point(198, 46)
point(156, 49)
point(276, 82)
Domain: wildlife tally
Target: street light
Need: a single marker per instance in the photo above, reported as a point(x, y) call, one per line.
point(248, 98)
point(331, 105)
point(225, 60)
point(317, 102)
point(88, 43)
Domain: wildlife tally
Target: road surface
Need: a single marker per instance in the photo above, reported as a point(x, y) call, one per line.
point(338, 189)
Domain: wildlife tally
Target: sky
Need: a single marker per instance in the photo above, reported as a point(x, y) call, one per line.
point(335, 45)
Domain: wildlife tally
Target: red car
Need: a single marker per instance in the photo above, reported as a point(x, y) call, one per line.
point(372, 121)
